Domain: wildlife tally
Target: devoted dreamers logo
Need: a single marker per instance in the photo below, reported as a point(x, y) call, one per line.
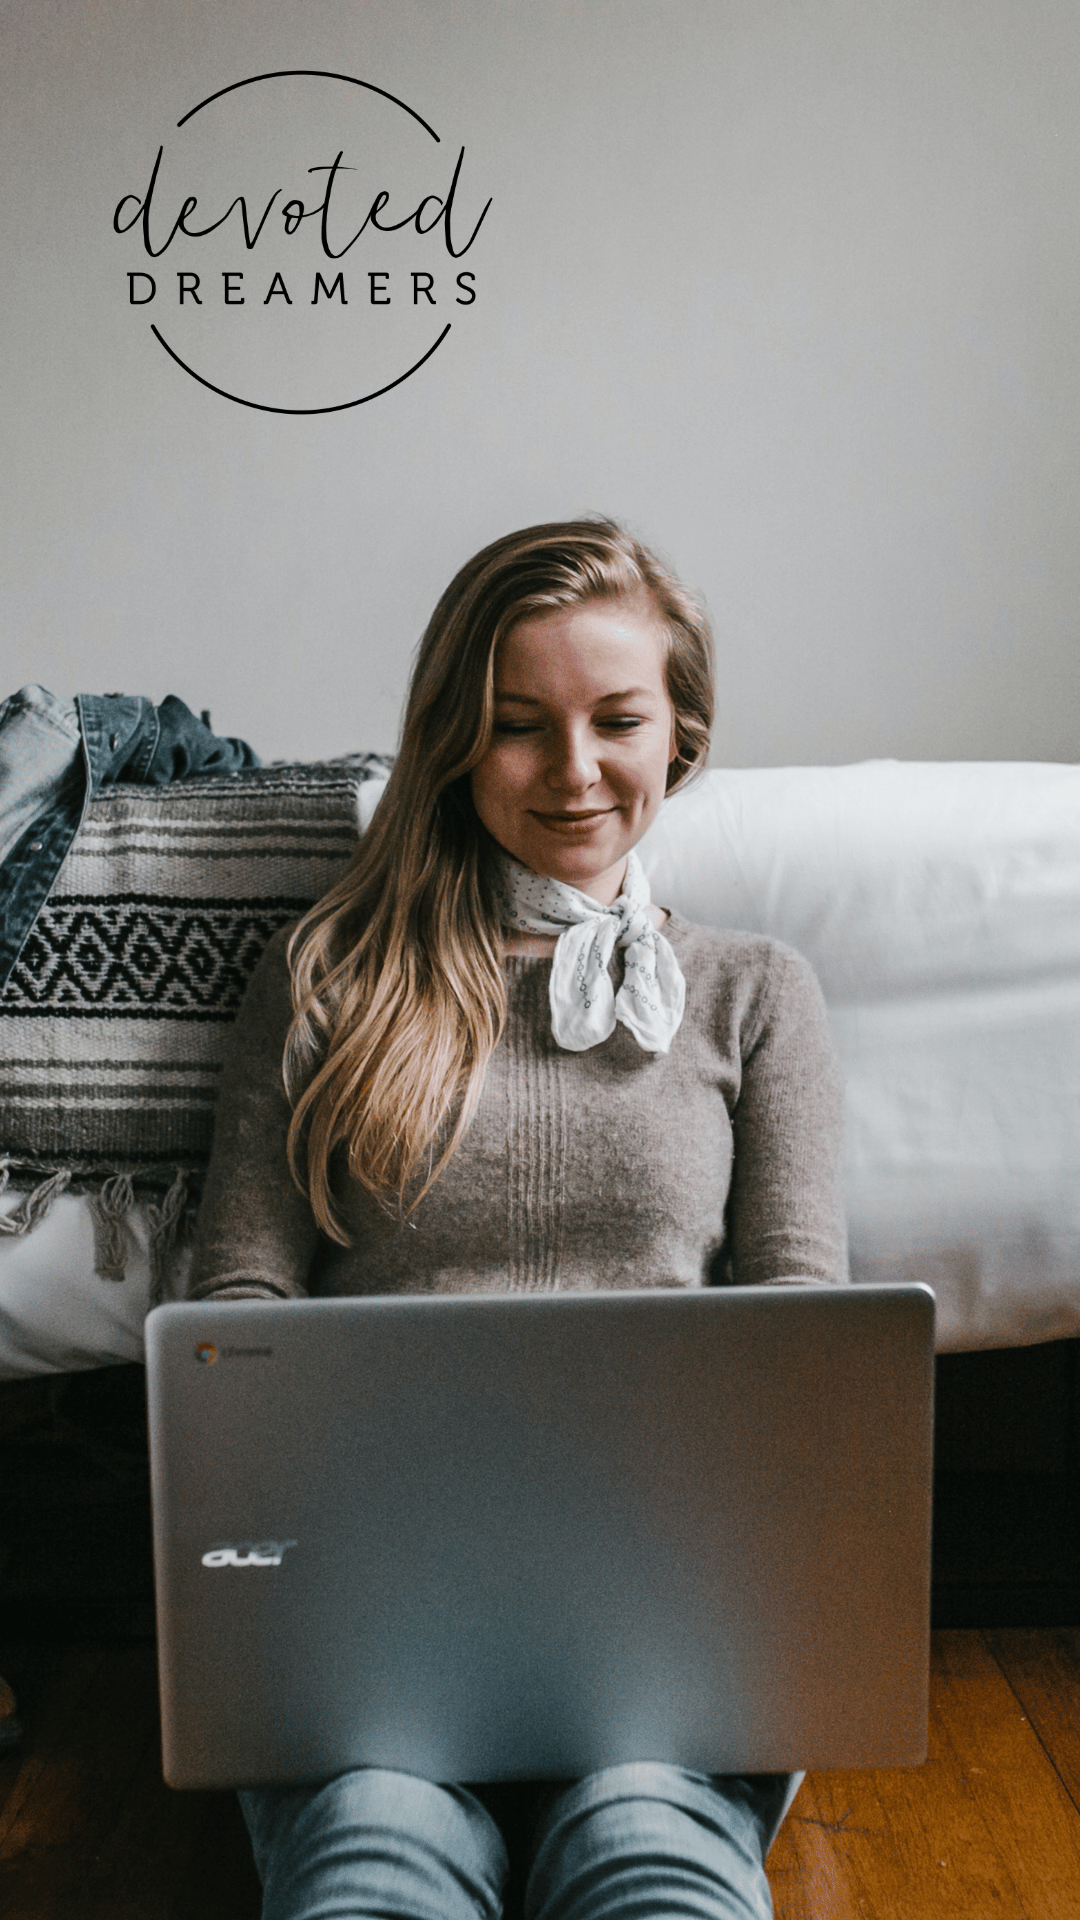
point(299, 246)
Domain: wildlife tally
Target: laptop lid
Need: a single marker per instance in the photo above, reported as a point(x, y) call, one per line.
point(525, 1536)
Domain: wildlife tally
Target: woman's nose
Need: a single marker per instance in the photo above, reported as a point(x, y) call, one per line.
point(573, 765)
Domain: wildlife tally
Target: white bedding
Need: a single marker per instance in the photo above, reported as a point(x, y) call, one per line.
point(940, 907)
point(56, 1314)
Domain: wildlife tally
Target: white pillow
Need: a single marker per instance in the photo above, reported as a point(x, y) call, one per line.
point(56, 1313)
point(939, 905)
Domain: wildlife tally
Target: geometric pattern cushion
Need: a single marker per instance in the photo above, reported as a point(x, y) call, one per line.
point(113, 1021)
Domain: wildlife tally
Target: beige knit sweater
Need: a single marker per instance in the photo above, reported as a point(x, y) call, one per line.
point(719, 1161)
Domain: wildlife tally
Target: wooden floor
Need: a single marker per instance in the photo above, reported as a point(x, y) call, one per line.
point(990, 1826)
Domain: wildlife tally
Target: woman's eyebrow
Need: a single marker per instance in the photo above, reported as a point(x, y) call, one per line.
point(530, 700)
point(628, 693)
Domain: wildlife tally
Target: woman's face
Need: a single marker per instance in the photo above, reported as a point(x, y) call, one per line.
point(584, 735)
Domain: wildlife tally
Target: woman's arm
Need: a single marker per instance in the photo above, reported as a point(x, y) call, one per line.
point(256, 1237)
point(785, 1216)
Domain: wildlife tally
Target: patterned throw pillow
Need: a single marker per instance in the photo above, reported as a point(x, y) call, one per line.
point(114, 1019)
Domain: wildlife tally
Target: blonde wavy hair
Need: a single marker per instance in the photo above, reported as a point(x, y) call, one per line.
point(397, 980)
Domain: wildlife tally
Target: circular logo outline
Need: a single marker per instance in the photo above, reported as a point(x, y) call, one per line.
point(338, 406)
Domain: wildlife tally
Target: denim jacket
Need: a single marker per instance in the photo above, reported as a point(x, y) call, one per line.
point(54, 757)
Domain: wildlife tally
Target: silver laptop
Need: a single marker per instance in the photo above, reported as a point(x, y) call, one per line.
point(519, 1536)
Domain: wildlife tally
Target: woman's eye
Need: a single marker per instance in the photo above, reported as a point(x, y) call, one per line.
point(613, 723)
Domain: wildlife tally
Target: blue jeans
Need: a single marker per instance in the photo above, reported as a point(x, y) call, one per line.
point(639, 1840)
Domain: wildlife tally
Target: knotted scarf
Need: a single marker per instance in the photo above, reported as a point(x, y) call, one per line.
point(584, 1004)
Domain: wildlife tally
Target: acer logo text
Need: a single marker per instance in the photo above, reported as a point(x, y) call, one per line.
point(269, 1553)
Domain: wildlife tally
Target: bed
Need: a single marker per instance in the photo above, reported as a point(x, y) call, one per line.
point(938, 903)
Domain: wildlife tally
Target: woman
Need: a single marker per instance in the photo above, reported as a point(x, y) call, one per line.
point(504, 1068)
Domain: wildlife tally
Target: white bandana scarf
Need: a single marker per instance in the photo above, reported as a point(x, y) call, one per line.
point(584, 1004)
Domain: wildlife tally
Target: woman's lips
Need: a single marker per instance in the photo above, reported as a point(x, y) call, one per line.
point(572, 823)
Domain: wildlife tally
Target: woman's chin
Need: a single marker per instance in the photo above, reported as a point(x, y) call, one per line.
point(591, 868)
point(600, 878)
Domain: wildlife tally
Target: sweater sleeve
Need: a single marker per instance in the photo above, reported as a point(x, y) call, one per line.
point(785, 1219)
point(256, 1236)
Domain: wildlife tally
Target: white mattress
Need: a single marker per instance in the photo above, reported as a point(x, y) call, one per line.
point(57, 1314)
point(940, 908)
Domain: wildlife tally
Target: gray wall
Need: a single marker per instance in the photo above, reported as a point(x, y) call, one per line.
point(791, 285)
